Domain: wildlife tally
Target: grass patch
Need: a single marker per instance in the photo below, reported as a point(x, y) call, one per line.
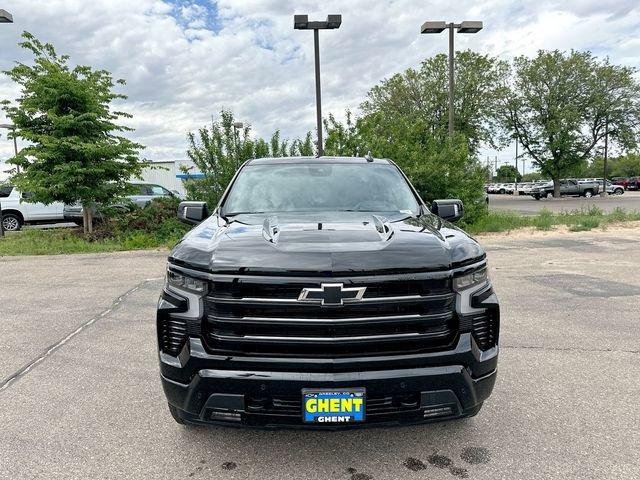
point(577, 220)
point(70, 240)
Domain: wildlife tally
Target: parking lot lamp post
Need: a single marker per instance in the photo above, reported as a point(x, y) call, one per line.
point(5, 17)
point(301, 22)
point(606, 154)
point(463, 27)
point(237, 126)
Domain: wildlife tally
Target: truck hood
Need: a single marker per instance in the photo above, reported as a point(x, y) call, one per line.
point(331, 244)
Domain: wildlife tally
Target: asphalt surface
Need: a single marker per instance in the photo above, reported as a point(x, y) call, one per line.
point(527, 205)
point(80, 396)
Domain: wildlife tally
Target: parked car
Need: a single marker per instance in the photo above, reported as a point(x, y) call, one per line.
point(144, 194)
point(622, 181)
point(324, 292)
point(568, 186)
point(633, 183)
point(17, 211)
point(612, 189)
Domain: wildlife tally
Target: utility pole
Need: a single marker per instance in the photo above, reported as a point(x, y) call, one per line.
point(515, 190)
point(606, 157)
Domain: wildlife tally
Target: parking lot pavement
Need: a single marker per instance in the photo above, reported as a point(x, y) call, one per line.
point(527, 205)
point(564, 405)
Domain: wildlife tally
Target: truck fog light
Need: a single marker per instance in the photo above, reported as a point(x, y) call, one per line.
point(225, 416)
point(437, 412)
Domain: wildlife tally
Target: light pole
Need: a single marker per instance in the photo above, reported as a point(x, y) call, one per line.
point(236, 127)
point(439, 27)
point(5, 17)
point(301, 22)
point(606, 157)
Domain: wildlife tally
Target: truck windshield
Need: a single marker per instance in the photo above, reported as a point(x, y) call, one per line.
point(320, 188)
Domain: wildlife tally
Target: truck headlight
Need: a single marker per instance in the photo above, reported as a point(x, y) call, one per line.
point(181, 281)
point(469, 280)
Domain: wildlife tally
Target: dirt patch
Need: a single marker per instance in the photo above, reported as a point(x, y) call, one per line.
point(532, 232)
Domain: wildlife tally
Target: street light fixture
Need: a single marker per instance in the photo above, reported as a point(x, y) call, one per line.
point(301, 22)
point(439, 27)
point(5, 17)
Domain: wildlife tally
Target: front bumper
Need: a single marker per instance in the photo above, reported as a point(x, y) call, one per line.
point(272, 398)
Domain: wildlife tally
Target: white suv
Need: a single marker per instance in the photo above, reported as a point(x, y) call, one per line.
point(16, 211)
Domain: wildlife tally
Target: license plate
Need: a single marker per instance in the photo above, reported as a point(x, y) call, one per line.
point(333, 406)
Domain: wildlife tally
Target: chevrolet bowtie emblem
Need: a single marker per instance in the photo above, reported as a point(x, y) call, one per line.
point(331, 294)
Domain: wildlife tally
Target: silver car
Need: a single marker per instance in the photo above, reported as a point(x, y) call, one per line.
point(144, 194)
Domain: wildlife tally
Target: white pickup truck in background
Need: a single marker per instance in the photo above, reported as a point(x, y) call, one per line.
point(16, 211)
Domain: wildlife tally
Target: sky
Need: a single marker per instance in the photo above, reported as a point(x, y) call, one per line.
point(185, 60)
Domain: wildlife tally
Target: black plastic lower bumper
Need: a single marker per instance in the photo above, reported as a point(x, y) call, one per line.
point(272, 399)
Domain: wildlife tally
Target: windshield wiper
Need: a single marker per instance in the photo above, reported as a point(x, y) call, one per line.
point(234, 214)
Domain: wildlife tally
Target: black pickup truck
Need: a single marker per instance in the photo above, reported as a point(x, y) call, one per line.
point(323, 292)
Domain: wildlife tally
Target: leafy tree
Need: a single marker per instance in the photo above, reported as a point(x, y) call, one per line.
point(218, 151)
point(438, 168)
point(626, 166)
point(508, 173)
point(423, 94)
point(561, 105)
point(532, 177)
point(75, 149)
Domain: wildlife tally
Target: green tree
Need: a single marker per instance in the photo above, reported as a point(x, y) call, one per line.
point(508, 173)
point(560, 105)
point(626, 166)
point(75, 149)
point(219, 150)
point(422, 95)
point(437, 167)
point(532, 177)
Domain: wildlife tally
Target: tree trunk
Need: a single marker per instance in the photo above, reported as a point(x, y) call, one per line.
point(90, 219)
point(85, 221)
point(556, 187)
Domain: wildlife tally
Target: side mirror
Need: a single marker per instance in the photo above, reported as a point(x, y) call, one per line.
point(192, 212)
point(450, 209)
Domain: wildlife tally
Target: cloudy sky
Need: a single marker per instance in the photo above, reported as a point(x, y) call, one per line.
point(184, 60)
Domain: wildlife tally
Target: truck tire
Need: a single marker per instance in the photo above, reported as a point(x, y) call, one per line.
point(502, 190)
point(536, 196)
point(588, 193)
point(11, 222)
point(549, 194)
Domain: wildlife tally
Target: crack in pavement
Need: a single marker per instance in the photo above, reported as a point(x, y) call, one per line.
point(568, 349)
point(8, 381)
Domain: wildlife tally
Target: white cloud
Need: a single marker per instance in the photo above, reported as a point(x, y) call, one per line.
point(185, 60)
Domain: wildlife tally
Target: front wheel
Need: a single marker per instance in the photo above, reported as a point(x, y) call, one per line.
point(537, 197)
point(11, 222)
point(588, 194)
point(618, 191)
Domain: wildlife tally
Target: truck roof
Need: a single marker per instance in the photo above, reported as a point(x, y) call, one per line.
point(315, 160)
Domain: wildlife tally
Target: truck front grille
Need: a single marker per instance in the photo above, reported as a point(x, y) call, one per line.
point(262, 316)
